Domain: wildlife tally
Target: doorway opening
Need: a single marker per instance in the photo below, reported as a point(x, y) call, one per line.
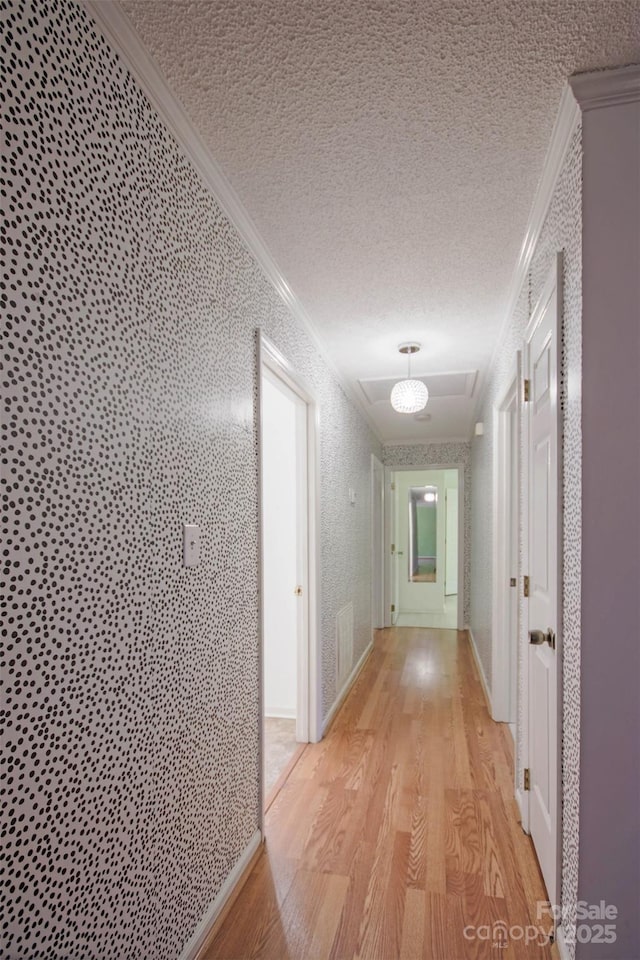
point(425, 524)
point(288, 569)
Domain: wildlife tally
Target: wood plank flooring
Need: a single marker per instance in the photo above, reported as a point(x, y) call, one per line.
point(398, 833)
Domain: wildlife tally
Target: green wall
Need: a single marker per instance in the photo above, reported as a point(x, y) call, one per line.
point(427, 524)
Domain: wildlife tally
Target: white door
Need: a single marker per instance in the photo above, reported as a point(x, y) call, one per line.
point(377, 543)
point(543, 555)
point(284, 553)
point(512, 553)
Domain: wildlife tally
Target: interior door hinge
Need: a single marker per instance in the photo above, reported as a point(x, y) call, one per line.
point(393, 486)
point(393, 548)
point(527, 390)
point(513, 582)
point(527, 778)
point(393, 608)
point(525, 586)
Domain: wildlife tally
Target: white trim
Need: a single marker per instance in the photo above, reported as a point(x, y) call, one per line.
point(606, 88)
point(121, 34)
point(563, 949)
point(337, 703)
point(501, 655)
point(196, 942)
point(566, 123)
point(481, 673)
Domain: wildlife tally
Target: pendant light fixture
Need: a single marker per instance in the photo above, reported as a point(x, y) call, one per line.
point(409, 396)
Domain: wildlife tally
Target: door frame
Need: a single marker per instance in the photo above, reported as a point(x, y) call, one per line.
point(377, 562)
point(309, 700)
point(388, 534)
point(554, 277)
point(509, 405)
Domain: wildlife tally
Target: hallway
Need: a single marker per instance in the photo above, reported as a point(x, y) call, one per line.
point(397, 834)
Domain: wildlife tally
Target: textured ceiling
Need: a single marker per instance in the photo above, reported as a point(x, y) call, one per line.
point(388, 153)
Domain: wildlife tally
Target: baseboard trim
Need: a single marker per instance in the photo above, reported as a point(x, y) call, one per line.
point(480, 669)
point(345, 690)
point(563, 949)
point(219, 908)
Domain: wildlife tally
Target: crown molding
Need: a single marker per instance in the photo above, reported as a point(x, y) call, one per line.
point(567, 120)
point(606, 88)
point(120, 33)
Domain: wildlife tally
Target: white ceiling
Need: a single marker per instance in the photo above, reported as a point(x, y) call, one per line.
point(388, 153)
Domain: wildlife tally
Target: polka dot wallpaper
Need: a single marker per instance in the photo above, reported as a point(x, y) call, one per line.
point(130, 715)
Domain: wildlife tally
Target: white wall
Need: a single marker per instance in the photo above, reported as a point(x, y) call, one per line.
point(279, 548)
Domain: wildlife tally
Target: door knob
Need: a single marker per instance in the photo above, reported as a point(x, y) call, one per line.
point(538, 637)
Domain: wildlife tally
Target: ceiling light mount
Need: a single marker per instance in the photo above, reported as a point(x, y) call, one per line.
point(409, 396)
point(409, 348)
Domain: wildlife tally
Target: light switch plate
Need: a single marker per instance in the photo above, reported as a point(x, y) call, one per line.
point(191, 545)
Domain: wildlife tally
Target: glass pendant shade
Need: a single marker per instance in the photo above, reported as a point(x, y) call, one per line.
point(409, 396)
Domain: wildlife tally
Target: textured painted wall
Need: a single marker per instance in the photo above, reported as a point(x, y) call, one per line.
point(562, 230)
point(131, 784)
point(428, 454)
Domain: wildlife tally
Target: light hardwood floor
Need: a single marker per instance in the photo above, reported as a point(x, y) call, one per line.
point(398, 831)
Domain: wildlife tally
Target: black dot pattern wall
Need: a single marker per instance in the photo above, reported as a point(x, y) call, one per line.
point(129, 781)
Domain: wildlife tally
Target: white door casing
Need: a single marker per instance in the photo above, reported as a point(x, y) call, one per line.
point(544, 552)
